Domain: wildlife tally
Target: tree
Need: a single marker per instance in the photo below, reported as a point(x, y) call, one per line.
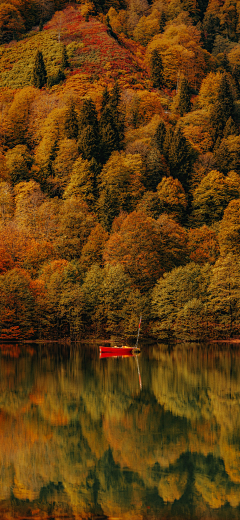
point(16, 305)
point(71, 121)
point(146, 248)
point(222, 109)
point(11, 22)
point(224, 295)
point(155, 169)
point(19, 117)
point(167, 142)
point(203, 245)
point(60, 303)
point(181, 157)
point(172, 198)
point(28, 198)
point(75, 225)
point(162, 21)
point(184, 104)
point(81, 183)
point(111, 124)
point(181, 54)
point(227, 154)
point(156, 69)
point(19, 162)
point(92, 250)
point(213, 195)
point(178, 297)
point(88, 141)
point(229, 229)
point(39, 74)
point(120, 186)
point(64, 58)
point(105, 99)
point(66, 155)
point(6, 202)
point(159, 136)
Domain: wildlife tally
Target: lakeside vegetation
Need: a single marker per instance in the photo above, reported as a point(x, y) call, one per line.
point(119, 169)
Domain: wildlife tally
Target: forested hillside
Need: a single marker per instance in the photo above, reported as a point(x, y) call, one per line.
point(119, 168)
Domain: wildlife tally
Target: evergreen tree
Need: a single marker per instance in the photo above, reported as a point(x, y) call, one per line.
point(222, 109)
point(230, 128)
point(159, 136)
point(181, 158)
point(156, 69)
point(64, 58)
point(39, 75)
point(105, 99)
point(236, 77)
point(88, 141)
point(167, 142)
point(211, 26)
point(162, 22)
point(56, 78)
point(184, 98)
point(225, 97)
point(155, 169)
point(41, 25)
point(88, 115)
point(115, 96)
point(223, 157)
point(111, 124)
point(71, 122)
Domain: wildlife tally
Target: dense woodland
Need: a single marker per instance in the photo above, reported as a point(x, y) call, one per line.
point(119, 168)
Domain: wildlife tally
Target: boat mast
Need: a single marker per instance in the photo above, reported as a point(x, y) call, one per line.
point(138, 331)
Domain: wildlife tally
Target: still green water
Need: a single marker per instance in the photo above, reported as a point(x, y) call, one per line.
point(124, 438)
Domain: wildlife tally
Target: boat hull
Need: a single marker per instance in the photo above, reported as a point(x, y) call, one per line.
point(104, 355)
point(118, 351)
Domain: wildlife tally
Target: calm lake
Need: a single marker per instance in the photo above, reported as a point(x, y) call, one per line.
point(157, 436)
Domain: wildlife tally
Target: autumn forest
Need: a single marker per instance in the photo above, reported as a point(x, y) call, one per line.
point(119, 168)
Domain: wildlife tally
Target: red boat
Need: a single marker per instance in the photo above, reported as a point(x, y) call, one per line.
point(118, 351)
point(103, 355)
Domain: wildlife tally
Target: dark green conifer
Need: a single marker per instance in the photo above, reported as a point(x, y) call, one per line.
point(156, 69)
point(88, 115)
point(39, 75)
point(159, 136)
point(236, 78)
point(64, 58)
point(162, 22)
point(41, 25)
point(115, 96)
point(222, 109)
point(225, 97)
point(224, 161)
point(210, 27)
point(111, 124)
point(155, 169)
point(181, 157)
point(105, 99)
point(71, 122)
point(184, 98)
point(88, 143)
point(95, 169)
point(167, 142)
point(230, 128)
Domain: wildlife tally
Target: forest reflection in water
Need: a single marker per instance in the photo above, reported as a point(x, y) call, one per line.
point(79, 438)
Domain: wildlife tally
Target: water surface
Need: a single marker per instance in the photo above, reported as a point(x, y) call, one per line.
point(153, 437)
